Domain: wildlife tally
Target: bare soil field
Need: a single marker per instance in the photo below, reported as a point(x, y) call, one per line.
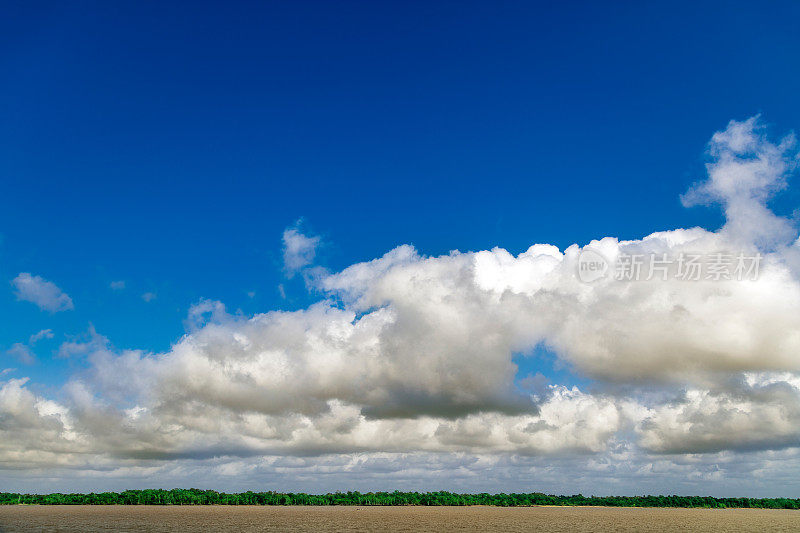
point(243, 519)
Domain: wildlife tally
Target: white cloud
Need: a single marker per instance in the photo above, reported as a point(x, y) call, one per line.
point(149, 296)
point(117, 285)
point(746, 170)
point(204, 311)
point(41, 292)
point(299, 250)
point(409, 356)
point(43, 334)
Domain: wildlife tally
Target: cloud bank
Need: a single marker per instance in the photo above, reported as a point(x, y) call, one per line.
point(408, 361)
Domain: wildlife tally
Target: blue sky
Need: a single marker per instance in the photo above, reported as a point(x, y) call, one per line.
point(169, 147)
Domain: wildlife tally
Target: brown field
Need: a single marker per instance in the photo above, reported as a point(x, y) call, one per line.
point(243, 519)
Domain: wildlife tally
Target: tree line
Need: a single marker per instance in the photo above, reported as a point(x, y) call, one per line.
point(211, 497)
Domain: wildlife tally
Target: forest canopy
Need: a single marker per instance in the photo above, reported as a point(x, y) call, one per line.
point(211, 497)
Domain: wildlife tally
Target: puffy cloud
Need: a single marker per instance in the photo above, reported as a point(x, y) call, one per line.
point(41, 292)
point(569, 421)
point(299, 250)
point(34, 430)
point(760, 412)
point(746, 170)
point(491, 304)
point(408, 356)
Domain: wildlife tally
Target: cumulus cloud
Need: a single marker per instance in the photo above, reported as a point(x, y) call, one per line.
point(33, 430)
point(410, 354)
point(299, 250)
point(710, 421)
point(41, 292)
point(746, 170)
